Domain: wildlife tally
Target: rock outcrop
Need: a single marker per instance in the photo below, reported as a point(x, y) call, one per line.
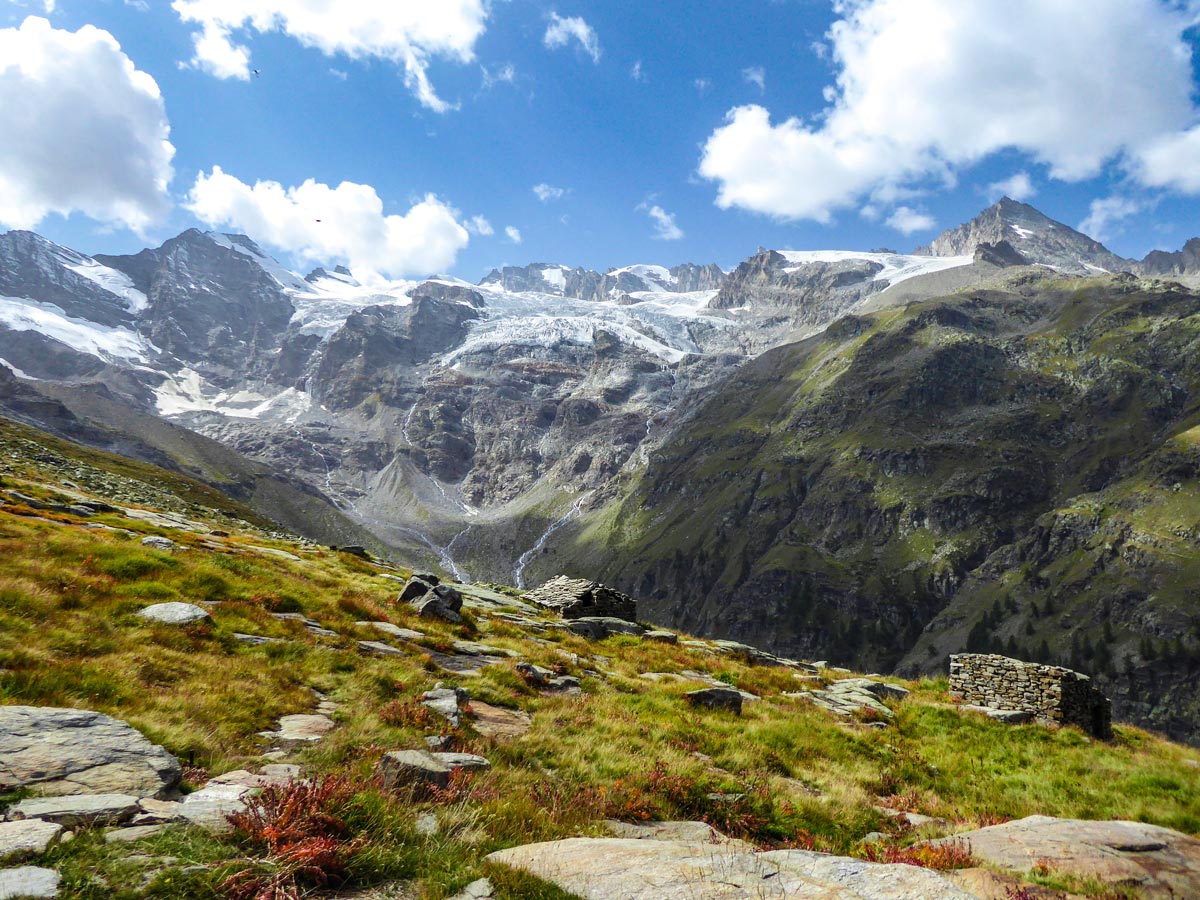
point(71, 751)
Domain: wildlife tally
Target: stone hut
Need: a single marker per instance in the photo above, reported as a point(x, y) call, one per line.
point(1052, 694)
point(575, 598)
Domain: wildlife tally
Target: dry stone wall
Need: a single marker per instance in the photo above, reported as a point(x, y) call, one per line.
point(575, 598)
point(1054, 695)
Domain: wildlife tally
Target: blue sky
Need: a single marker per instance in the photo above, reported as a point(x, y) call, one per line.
point(662, 126)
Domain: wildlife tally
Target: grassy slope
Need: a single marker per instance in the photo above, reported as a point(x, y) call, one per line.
point(834, 497)
point(627, 748)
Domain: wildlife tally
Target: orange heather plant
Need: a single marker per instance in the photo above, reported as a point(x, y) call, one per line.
point(304, 840)
point(954, 854)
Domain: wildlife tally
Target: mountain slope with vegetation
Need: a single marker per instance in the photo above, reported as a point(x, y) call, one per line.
point(785, 773)
point(1009, 467)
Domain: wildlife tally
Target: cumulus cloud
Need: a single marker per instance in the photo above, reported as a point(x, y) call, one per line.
point(1106, 213)
point(1050, 80)
point(84, 130)
point(1171, 161)
point(561, 31)
point(407, 32)
point(547, 192)
point(513, 234)
point(1018, 187)
point(321, 224)
point(907, 220)
point(665, 228)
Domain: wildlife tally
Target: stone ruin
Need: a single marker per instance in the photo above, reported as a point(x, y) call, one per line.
point(1051, 695)
point(575, 598)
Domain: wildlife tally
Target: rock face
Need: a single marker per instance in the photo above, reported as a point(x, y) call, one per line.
point(1052, 694)
point(70, 751)
point(631, 869)
point(1182, 262)
point(583, 284)
point(1160, 864)
point(575, 598)
point(1035, 237)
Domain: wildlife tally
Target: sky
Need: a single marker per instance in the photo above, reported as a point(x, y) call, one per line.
point(410, 137)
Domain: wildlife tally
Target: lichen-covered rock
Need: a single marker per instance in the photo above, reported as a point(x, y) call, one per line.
point(574, 598)
point(174, 613)
point(72, 751)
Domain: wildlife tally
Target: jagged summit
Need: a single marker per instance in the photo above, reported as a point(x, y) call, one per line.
point(1034, 235)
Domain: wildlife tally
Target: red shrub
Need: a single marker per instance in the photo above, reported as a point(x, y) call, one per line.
point(950, 855)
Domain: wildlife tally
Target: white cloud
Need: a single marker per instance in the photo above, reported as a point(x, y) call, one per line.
point(84, 130)
point(702, 86)
point(561, 31)
point(513, 234)
point(1171, 161)
point(321, 224)
point(1052, 80)
point(1018, 187)
point(480, 226)
point(506, 74)
point(548, 192)
point(907, 220)
point(755, 75)
point(636, 73)
point(407, 32)
point(1107, 212)
point(665, 228)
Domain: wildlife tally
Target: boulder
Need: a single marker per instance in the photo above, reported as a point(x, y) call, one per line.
point(536, 676)
point(1158, 862)
point(662, 637)
point(27, 838)
point(446, 702)
point(599, 627)
point(72, 751)
point(75, 810)
point(28, 883)
point(158, 543)
point(716, 698)
point(575, 597)
point(434, 606)
point(630, 869)
point(416, 588)
point(174, 613)
point(423, 768)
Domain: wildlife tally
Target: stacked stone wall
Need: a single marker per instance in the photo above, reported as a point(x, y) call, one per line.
point(1052, 694)
point(574, 598)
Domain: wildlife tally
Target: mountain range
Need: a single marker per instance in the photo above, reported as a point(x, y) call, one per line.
point(874, 457)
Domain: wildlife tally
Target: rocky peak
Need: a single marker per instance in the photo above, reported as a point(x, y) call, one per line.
point(1035, 236)
point(1181, 262)
point(453, 293)
point(34, 268)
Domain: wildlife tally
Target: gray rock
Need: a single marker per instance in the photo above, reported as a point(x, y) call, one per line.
point(432, 606)
point(598, 627)
point(27, 838)
point(134, 833)
point(405, 634)
point(663, 637)
point(421, 767)
point(71, 751)
point(1008, 716)
point(476, 890)
point(427, 825)
point(612, 868)
point(665, 831)
point(535, 675)
point(174, 613)
point(300, 729)
point(254, 640)
point(446, 702)
point(716, 698)
point(158, 543)
point(28, 883)
point(81, 809)
point(416, 588)
point(378, 648)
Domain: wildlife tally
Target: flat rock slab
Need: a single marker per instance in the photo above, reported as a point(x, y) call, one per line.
point(405, 634)
point(301, 729)
point(72, 811)
point(498, 722)
point(72, 751)
point(624, 869)
point(27, 838)
point(174, 613)
point(1008, 716)
point(1159, 862)
point(28, 882)
point(699, 832)
point(378, 648)
point(129, 835)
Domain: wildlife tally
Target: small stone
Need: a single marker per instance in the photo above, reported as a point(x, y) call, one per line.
point(427, 825)
point(874, 837)
point(27, 838)
point(81, 809)
point(134, 833)
point(28, 883)
point(445, 702)
point(401, 767)
point(476, 890)
point(174, 613)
